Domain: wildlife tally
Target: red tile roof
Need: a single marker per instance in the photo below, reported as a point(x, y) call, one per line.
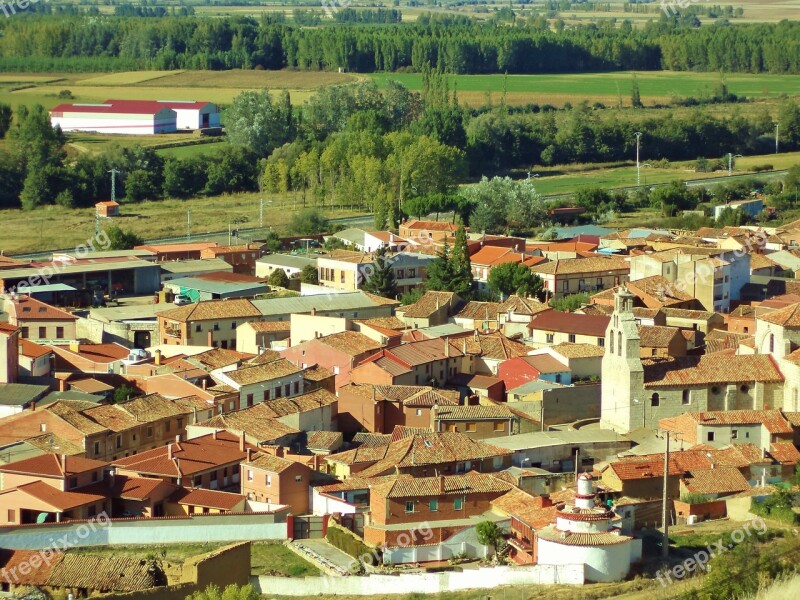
point(719, 480)
point(49, 465)
point(207, 498)
point(578, 324)
point(25, 308)
point(59, 500)
point(773, 420)
point(718, 368)
point(785, 453)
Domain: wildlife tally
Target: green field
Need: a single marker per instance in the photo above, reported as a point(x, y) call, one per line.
point(609, 88)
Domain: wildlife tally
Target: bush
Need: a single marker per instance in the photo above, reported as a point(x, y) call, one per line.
point(279, 278)
point(694, 498)
point(762, 168)
point(777, 506)
point(349, 543)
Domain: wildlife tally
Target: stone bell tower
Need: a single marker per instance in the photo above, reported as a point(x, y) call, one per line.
point(622, 383)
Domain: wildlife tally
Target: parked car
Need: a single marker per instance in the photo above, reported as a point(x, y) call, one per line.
point(181, 299)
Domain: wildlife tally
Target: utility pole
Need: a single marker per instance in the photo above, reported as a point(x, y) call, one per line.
point(114, 174)
point(229, 234)
point(638, 135)
point(189, 225)
point(730, 163)
point(664, 503)
point(777, 130)
point(261, 214)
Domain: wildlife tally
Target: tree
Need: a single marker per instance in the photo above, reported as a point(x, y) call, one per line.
point(279, 278)
point(231, 592)
point(636, 98)
point(309, 222)
point(489, 534)
point(501, 202)
point(514, 279)
point(381, 280)
point(440, 271)
point(183, 178)
point(5, 119)
point(259, 123)
point(729, 217)
point(123, 393)
point(462, 266)
point(140, 185)
point(310, 275)
point(119, 239)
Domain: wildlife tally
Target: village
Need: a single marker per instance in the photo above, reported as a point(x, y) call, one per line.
point(197, 392)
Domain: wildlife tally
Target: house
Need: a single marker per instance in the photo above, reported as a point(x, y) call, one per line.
point(484, 316)
point(199, 501)
point(39, 321)
point(720, 428)
point(258, 425)
point(380, 408)
point(290, 264)
point(89, 359)
point(346, 270)
point(750, 208)
point(649, 292)
point(434, 308)
point(273, 479)
point(107, 208)
point(486, 388)
point(477, 422)
point(486, 352)
point(418, 231)
point(371, 241)
point(242, 257)
point(192, 114)
point(340, 353)
point(416, 363)
point(488, 257)
point(584, 361)
point(703, 321)
point(16, 397)
point(577, 275)
point(180, 251)
point(210, 323)
point(420, 454)
point(217, 286)
point(263, 382)
point(132, 117)
point(254, 337)
point(50, 487)
point(518, 313)
point(655, 340)
point(522, 369)
point(209, 462)
point(552, 327)
point(137, 496)
point(35, 360)
point(528, 514)
point(440, 502)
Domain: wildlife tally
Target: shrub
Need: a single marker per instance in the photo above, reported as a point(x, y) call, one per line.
point(348, 543)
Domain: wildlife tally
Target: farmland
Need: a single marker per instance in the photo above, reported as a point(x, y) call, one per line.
point(609, 88)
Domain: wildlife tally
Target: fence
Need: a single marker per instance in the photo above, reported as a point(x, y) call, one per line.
point(420, 583)
point(170, 530)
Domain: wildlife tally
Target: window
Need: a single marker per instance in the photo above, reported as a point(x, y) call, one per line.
point(180, 423)
point(400, 274)
point(59, 333)
point(601, 342)
point(216, 326)
point(287, 389)
point(412, 273)
point(149, 431)
point(419, 412)
point(653, 352)
point(266, 395)
point(686, 397)
point(73, 482)
point(714, 390)
point(433, 505)
point(549, 338)
point(233, 325)
point(12, 515)
point(458, 504)
point(224, 344)
point(341, 276)
point(167, 425)
point(249, 474)
point(500, 426)
point(249, 399)
point(772, 342)
point(198, 328)
point(565, 286)
point(42, 332)
point(451, 427)
point(24, 332)
point(734, 434)
point(409, 506)
point(94, 476)
point(198, 480)
point(471, 427)
point(571, 338)
point(619, 342)
point(268, 480)
point(278, 392)
point(744, 388)
point(119, 441)
point(599, 283)
point(581, 285)
point(296, 387)
point(298, 478)
point(710, 436)
point(612, 342)
point(43, 427)
point(96, 448)
point(654, 400)
point(558, 377)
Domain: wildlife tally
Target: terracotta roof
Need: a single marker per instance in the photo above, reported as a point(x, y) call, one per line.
point(535, 511)
point(553, 320)
point(761, 261)
point(54, 497)
point(324, 440)
point(363, 454)
point(497, 255)
point(523, 306)
point(270, 325)
point(596, 310)
point(494, 346)
point(50, 442)
point(263, 372)
point(99, 353)
point(719, 480)
point(49, 465)
point(111, 417)
point(216, 358)
point(655, 336)
point(785, 453)
point(264, 357)
point(366, 438)
point(430, 225)
point(544, 363)
point(26, 308)
point(407, 486)
point(380, 300)
point(207, 498)
point(90, 385)
point(73, 417)
point(684, 313)
point(480, 310)
point(102, 573)
point(269, 462)
point(135, 488)
point(475, 412)
point(568, 350)
point(188, 457)
point(569, 538)
point(392, 323)
point(391, 366)
point(660, 288)
point(595, 264)
point(427, 305)
point(409, 395)
point(718, 368)
point(773, 420)
point(788, 316)
point(317, 373)
point(236, 308)
point(351, 343)
point(792, 417)
point(32, 349)
point(420, 353)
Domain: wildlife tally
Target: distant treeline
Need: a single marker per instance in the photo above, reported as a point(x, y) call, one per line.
point(453, 44)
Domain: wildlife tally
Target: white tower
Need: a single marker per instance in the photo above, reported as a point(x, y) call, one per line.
point(622, 383)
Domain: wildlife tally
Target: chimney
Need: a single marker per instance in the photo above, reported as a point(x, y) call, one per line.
point(169, 451)
point(313, 312)
point(157, 357)
point(33, 406)
point(75, 347)
point(205, 382)
point(249, 454)
point(178, 439)
point(447, 347)
point(210, 338)
point(441, 484)
point(241, 442)
point(64, 463)
point(62, 385)
point(282, 451)
point(214, 434)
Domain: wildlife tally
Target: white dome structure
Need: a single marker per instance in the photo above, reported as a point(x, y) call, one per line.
point(584, 533)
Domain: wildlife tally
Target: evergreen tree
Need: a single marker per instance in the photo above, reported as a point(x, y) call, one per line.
point(381, 213)
point(278, 278)
point(440, 271)
point(636, 98)
point(381, 282)
point(462, 266)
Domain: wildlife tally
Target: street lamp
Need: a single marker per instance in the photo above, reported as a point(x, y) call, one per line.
point(638, 135)
point(261, 212)
point(731, 156)
point(777, 130)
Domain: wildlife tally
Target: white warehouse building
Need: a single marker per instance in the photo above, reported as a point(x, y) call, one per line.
point(135, 117)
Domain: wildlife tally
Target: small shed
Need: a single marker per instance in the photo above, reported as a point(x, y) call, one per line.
point(107, 208)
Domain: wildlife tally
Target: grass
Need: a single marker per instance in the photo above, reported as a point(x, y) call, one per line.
point(609, 88)
point(265, 558)
point(52, 227)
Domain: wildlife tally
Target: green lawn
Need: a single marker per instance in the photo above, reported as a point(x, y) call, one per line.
point(192, 151)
